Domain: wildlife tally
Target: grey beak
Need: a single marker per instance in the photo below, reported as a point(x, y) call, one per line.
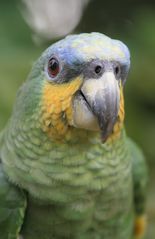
point(103, 97)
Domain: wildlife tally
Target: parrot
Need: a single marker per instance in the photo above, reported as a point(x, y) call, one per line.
point(67, 167)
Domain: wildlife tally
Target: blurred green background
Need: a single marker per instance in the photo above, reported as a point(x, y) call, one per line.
point(130, 21)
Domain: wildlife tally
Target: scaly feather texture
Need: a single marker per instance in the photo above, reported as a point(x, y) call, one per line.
point(85, 185)
point(76, 186)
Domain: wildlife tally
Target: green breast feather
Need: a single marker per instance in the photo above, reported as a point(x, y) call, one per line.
point(12, 208)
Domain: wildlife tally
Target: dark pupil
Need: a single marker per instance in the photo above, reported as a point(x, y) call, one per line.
point(53, 67)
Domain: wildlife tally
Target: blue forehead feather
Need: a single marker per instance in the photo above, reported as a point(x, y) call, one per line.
point(86, 46)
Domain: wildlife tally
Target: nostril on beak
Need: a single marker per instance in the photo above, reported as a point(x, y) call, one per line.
point(117, 70)
point(98, 69)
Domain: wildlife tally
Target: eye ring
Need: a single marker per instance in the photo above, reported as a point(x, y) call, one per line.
point(53, 67)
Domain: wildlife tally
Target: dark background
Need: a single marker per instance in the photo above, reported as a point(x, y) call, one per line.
point(133, 22)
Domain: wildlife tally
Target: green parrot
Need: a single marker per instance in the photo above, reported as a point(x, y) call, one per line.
point(67, 169)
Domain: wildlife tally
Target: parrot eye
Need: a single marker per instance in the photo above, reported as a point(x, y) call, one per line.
point(53, 67)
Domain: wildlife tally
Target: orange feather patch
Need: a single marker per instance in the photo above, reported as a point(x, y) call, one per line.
point(140, 226)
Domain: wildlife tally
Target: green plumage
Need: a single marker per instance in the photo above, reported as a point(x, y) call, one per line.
point(87, 188)
point(77, 188)
point(12, 208)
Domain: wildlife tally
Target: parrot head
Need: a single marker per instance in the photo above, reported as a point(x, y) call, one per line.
point(78, 83)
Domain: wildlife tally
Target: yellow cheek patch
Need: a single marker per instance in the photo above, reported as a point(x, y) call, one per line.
point(121, 114)
point(57, 107)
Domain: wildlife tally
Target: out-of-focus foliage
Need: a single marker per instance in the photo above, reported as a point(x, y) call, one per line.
point(132, 21)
